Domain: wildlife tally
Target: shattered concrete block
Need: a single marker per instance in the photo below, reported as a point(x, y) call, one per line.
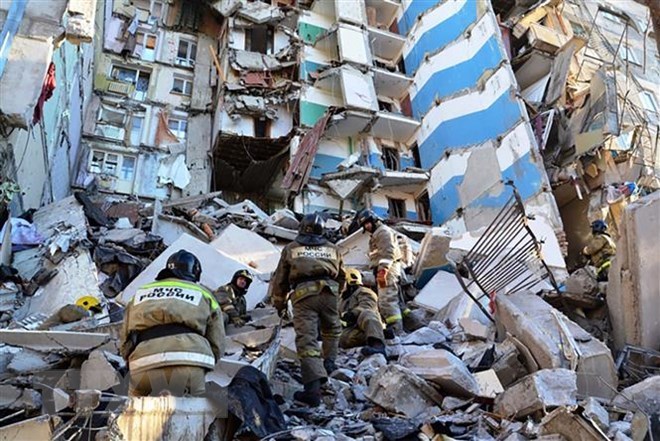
point(288, 344)
point(247, 247)
point(432, 255)
point(53, 341)
point(475, 329)
point(182, 419)
point(597, 413)
point(15, 398)
point(98, 373)
point(563, 421)
point(489, 384)
point(86, 399)
point(508, 365)
point(441, 289)
point(633, 291)
point(620, 436)
point(399, 390)
point(623, 427)
point(424, 336)
point(516, 437)
point(537, 325)
point(544, 389)
point(369, 367)
point(33, 429)
point(285, 219)
point(581, 282)
point(28, 361)
point(342, 374)
point(444, 369)
point(61, 399)
point(644, 396)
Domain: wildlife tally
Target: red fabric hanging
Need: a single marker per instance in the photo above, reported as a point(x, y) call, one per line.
point(46, 92)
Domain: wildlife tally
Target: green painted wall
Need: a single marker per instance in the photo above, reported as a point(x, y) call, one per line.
point(310, 112)
point(309, 32)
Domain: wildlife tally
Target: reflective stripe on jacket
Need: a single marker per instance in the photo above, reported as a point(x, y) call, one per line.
point(173, 302)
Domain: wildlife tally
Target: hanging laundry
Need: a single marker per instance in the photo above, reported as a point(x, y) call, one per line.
point(46, 92)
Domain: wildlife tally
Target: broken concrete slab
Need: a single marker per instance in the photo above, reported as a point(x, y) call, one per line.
point(564, 422)
point(489, 384)
point(581, 281)
point(544, 389)
point(443, 369)
point(217, 270)
point(85, 400)
point(29, 430)
point(53, 341)
point(441, 289)
point(424, 336)
point(399, 390)
point(508, 364)
point(596, 413)
point(551, 338)
point(182, 419)
point(368, 367)
point(288, 344)
point(14, 398)
point(248, 248)
point(432, 256)
point(98, 373)
point(27, 361)
point(644, 396)
point(633, 291)
point(476, 330)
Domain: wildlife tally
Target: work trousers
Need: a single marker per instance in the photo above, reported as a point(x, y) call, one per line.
point(368, 326)
point(388, 296)
point(178, 381)
point(308, 313)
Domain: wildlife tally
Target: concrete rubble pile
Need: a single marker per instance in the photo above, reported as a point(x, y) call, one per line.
point(525, 370)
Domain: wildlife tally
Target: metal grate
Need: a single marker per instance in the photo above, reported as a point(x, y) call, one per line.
point(507, 256)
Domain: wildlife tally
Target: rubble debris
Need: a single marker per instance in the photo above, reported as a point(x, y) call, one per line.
point(554, 341)
point(596, 413)
point(248, 248)
point(53, 341)
point(148, 418)
point(399, 390)
point(644, 396)
point(633, 294)
point(14, 398)
point(476, 330)
point(41, 427)
point(489, 384)
point(563, 421)
point(223, 269)
point(544, 389)
point(432, 256)
point(443, 369)
point(97, 372)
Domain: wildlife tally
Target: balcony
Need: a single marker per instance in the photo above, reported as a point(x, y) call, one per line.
point(346, 44)
point(120, 88)
point(355, 89)
point(381, 13)
point(385, 45)
point(392, 126)
point(391, 84)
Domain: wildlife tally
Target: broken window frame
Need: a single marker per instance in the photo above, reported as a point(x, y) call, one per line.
point(186, 86)
point(391, 158)
point(146, 53)
point(649, 101)
point(397, 208)
point(191, 53)
point(135, 137)
point(153, 17)
point(269, 43)
point(257, 122)
point(112, 163)
point(627, 53)
point(138, 94)
point(181, 127)
point(423, 206)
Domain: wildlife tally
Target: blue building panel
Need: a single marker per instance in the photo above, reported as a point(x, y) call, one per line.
point(471, 129)
point(456, 78)
point(324, 164)
point(441, 35)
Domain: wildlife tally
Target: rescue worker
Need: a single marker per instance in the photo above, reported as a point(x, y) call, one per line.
point(231, 298)
point(384, 257)
point(600, 249)
point(359, 312)
point(310, 267)
point(172, 332)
